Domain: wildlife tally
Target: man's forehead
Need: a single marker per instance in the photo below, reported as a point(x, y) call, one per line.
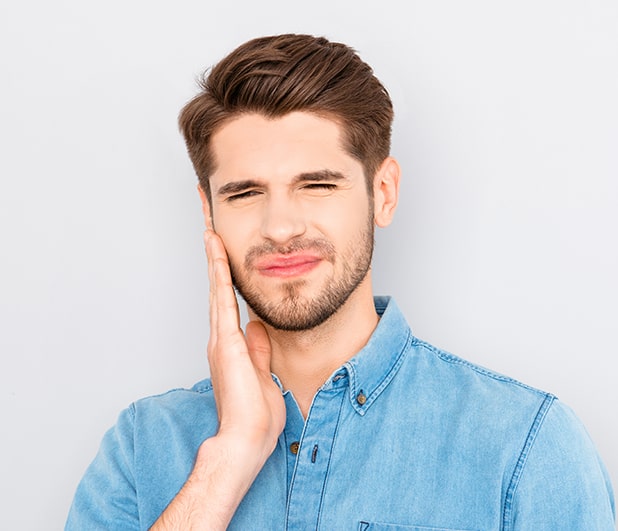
point(256, 147)
point(251, 119)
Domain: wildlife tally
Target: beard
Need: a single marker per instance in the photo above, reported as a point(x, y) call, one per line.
point(294, 311)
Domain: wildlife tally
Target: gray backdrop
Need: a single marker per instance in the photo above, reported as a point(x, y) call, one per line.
point(503, 250)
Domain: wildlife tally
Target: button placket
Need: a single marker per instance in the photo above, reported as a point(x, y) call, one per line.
point(313, 459)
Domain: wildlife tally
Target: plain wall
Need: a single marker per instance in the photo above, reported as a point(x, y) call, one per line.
point(504, 248)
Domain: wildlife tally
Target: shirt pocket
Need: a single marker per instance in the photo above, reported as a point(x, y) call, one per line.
point(379, 526)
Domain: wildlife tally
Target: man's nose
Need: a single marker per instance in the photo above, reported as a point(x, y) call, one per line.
point(283, 220)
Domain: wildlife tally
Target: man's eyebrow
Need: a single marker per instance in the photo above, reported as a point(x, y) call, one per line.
point(321, 175)
point(236, 187)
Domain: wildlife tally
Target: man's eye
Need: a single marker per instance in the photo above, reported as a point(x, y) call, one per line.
point(242, 195)
point(320, 186)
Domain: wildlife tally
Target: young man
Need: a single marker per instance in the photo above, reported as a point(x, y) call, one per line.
point(326, 413)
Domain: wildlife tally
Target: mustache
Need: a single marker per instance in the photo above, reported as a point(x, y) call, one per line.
point(323, 248)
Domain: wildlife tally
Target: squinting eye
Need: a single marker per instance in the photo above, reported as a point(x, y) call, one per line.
point(321, 186)
point(242, 195)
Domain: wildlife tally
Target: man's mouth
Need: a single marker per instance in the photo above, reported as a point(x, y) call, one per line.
point(287, 265)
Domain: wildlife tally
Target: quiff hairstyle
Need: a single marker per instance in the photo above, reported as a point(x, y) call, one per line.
point(280, 74)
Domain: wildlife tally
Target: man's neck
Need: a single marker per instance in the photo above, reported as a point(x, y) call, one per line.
point(304, 360)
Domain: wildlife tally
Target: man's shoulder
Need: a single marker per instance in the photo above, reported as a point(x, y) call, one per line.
point(436, 365)
point(182, 413)
point(185, 402)
point(457, 387)
point(200, 389)
point(470, 373)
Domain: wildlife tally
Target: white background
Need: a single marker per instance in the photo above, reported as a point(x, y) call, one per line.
point(504, 250)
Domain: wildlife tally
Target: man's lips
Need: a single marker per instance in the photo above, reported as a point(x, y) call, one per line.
point(288, 265)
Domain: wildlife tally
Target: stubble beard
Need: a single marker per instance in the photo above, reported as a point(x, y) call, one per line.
point(295, 312)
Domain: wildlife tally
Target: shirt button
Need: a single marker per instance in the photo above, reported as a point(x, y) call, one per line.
point(361, 398)
point(294, 447)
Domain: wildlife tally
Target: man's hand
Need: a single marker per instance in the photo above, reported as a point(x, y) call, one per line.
point(249, 403)
point(250, 407)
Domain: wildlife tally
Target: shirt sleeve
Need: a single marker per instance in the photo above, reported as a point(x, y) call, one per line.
point(563, 483)
point(106, 496)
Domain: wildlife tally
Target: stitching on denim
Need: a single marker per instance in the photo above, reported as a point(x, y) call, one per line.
point(302, 437)
point(523, 456)
point(391, 374)
point(456, 360)
point(200, 388)
point(131, 410)
point(330, 456)
point(384, 380)
point(203, 387)
point(292, 481)
point(168, 392)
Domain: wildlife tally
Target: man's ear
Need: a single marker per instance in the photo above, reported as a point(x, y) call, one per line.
point(386, 191)
point(205, 208)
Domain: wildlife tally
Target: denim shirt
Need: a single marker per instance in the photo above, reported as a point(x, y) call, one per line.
point(401, 437)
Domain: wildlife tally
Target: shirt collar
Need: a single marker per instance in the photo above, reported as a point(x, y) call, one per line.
point(372, 369)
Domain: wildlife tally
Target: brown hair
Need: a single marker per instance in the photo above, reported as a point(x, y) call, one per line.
point(277, 75)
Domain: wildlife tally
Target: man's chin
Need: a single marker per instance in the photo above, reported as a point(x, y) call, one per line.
point(291, 324)
point(289, 315)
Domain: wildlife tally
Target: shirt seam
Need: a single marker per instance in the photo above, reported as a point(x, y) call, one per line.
point(456, 360)
point(202, 387)
point(355, 386)
point(521, 461)
point(296, 465)
point(330, 457)
point(133, 414)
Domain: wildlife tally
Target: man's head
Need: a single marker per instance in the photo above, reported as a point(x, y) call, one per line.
point(290, 139)
point(278, 75)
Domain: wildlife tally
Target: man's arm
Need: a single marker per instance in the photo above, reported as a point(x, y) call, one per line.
point(250, 408)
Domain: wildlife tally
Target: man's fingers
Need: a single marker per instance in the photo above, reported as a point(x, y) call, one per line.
point(259, 347)
point(226, 305)
point(211, 286)
point(225, 317)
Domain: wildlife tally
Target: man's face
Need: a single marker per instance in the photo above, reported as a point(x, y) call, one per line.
point(294, 214)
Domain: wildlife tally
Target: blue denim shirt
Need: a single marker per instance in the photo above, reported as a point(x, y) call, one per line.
point(402, 437)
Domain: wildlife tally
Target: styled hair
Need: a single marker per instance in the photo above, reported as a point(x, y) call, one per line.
point(280, 74)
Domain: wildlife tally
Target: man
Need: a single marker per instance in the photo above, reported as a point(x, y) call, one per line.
point(327, 413)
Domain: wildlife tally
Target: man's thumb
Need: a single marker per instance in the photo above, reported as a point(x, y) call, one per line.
point(258, 344)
